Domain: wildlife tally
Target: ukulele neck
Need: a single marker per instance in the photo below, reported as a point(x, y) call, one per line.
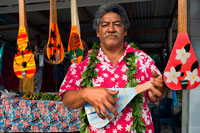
point(53, 12)
point(74, 15)
point(22, 15)
point(182, 16)
point(143, 87)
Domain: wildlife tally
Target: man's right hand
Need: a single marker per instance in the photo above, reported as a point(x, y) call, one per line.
point(100, 99)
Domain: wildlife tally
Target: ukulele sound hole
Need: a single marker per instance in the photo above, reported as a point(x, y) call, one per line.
point(24, 64)
point(182, 74)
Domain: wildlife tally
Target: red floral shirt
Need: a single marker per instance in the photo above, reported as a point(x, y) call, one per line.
point(110, 76)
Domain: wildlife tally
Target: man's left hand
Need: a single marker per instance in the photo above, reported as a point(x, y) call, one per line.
point(159, 88)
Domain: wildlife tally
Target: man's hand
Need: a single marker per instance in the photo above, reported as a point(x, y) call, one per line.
point(159, 88)
point(100, 99)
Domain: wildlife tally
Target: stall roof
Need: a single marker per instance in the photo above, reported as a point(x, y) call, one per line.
point(150, 20)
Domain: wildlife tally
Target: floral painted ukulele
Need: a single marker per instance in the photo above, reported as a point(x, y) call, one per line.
point(24, 63)
point(75, 47)
point(54, 49)
point(182, 70)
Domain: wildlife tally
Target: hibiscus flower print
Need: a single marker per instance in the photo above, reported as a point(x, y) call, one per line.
point(182, 55)
point(192, 76)
point(172, 76)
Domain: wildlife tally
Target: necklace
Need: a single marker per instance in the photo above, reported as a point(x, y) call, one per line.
point(136, 104)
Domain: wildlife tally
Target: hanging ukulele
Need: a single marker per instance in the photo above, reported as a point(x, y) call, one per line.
point(54, 48)
point(24, 63)
point(182, 70)
point(75, 47)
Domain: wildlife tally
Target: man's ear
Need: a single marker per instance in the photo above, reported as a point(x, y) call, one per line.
point(97, 32)
point(126, 31)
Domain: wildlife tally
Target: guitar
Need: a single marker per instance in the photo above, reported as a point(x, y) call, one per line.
point(24, 63)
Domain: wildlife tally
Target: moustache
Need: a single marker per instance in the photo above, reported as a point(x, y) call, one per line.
point(111, 34)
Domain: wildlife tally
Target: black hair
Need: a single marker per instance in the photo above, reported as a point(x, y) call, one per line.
point(118, 9)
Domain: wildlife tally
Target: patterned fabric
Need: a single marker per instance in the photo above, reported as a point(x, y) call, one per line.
point(110, 76)
point(19, 115)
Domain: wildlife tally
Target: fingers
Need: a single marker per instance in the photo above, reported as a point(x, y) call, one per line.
point(156, 92)
point(158, 82)
point(113, 92)
point(111, 108)
point(154, 74)
point(99, 113)
point(104, 103)
point(111, 101)
point(152, 96)
point(102, 109)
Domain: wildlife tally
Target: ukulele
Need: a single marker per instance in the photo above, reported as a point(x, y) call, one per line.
point(54, 48)
point(122, 99)
point(75, 47)
point(182, 70)
point(24, 63)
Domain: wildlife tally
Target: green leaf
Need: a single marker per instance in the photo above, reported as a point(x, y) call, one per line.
point(79, 52)
point(84, 75)
point(128, 63)
point(87, 130)
point(83, 84)
point(95, 74)
point(71, 52)
point(98, 61)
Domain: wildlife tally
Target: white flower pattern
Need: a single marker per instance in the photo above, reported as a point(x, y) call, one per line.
point(172, 75)
point(182, 55)
point(110, 77)
point(192, 76)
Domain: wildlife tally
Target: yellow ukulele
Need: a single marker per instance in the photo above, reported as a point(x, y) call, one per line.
point(24, 63)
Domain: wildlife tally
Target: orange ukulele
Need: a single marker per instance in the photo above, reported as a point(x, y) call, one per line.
point(24, 63)
point(54, 49)
point(182, 70)
point(75, 47)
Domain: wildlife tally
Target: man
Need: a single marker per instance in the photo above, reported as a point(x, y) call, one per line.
point(111, 25)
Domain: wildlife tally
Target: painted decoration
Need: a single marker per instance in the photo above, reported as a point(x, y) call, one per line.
point(75, 47)
point(182, 67)
point(123, 98)
point(55, 49)
point(24, 63)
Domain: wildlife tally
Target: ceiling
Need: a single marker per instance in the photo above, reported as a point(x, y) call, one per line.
point(150, 21)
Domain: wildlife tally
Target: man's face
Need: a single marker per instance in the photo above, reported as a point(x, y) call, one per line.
point(111, 31)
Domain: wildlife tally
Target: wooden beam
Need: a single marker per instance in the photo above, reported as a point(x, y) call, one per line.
point(9, 27)
point(30, 24)
point(148, 31)
point(152, 17)
point(11, 6)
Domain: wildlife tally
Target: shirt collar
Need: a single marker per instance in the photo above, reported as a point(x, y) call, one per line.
point(128, 49)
